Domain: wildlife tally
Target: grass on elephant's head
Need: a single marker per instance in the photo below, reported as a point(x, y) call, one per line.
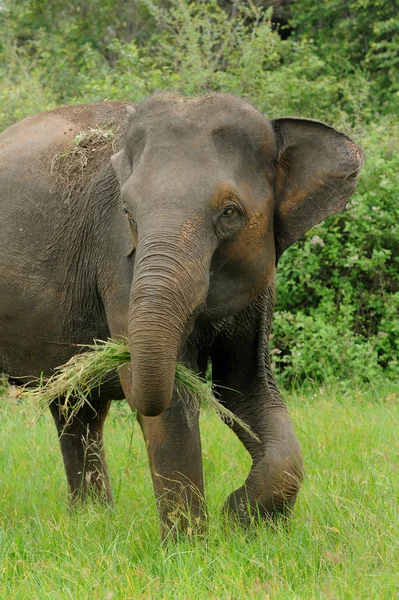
point(72, 167)
point(72, 382)
point(85, 143)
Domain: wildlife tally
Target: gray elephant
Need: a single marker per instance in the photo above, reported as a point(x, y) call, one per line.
point(173, 241)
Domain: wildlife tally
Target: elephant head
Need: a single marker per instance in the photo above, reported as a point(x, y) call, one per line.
point(214, 193)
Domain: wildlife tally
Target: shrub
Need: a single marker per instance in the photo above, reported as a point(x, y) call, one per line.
point(22, 92)
point(338, 288)
point(355, 33)
point(194, 47)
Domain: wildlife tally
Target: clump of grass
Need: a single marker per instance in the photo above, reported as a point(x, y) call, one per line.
point(94, 135)
point(72, 382)
point(85, 144)
point(4, 385)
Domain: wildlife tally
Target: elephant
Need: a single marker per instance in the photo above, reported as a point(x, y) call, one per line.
point(167, 228)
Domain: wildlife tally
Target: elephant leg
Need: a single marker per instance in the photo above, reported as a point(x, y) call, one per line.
point(174, 450)
point(273, 482)
point(240, 365)
point(82, 447)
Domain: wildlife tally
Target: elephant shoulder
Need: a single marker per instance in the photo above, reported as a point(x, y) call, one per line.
point(71, 140)
point(43, 135)
point(80, 118)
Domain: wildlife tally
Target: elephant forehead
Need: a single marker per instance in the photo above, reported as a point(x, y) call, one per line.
point(207, 107)
point(220, 115)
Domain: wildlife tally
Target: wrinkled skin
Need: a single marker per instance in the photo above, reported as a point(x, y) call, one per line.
point(174, 243)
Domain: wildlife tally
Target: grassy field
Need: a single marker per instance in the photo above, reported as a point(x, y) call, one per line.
point(343, 542)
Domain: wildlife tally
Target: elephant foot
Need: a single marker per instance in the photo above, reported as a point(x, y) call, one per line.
point(182, 520)
point(270, 491)
point(98, 494)
point(247, 510)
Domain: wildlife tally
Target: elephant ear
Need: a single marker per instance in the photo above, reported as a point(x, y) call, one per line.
point(316, 173)
point(121, 161)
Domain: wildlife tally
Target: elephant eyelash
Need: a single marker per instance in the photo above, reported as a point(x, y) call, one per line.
point(131, 221)
point(129, 215)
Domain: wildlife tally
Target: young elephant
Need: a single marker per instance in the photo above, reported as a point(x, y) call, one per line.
point(175, 245)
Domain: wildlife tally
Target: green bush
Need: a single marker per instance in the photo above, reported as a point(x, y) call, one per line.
point(193, 47)
point(338, 288)
point(199, 47)
point(353, 34)
point(21, 92)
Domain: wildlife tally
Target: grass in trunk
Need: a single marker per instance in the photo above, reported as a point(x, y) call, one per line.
point(72, 382)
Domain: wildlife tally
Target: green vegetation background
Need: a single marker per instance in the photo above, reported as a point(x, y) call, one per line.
point(338, 289)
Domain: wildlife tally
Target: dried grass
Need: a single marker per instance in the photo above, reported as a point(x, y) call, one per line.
point(74, 167)
point(72, 382)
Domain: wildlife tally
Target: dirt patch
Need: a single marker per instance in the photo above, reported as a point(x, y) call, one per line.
point(74, 168)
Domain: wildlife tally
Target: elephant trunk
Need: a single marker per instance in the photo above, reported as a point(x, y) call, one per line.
point(168, 286)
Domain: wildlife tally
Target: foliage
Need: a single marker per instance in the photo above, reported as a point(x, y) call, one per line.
point(22, 92)
point(338, 287)
point(361, 33)
point(4, 386)
point(93, 22)
point(191, 46)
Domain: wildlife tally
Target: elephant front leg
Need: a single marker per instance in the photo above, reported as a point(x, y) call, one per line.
point(174, 449)
point(273, 482)
point(81, 442)
point(240, 365)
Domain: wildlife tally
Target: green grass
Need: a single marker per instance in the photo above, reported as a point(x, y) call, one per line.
point(343, 541)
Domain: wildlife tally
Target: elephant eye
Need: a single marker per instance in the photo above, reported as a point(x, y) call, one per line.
point(132, 222)
point(229, 220)
point(128, 214)
point(229, 211)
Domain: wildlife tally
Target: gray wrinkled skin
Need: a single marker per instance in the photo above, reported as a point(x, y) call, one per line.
point(173, 241)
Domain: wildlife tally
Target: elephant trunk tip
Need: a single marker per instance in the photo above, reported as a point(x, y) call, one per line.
point(154, 401)
point(152, 409)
